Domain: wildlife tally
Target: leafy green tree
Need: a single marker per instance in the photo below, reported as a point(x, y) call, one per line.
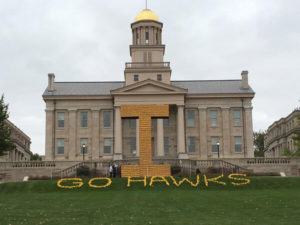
point(35, 157)
point(296, 139)
point(6, 144)
point(286, 152)
point(259, 148)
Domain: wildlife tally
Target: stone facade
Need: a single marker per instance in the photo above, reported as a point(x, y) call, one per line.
point(207, 119)
point(22, 142)
point(280, 135)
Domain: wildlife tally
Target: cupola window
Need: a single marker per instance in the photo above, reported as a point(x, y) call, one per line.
point(159, 77)
point(136, 77)
point(147, 37)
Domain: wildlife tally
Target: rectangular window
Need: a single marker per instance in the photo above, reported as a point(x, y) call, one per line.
point(156, 37)
point(215, 145)
point(60, 146)
point(83, 145)
point(191, 118)
point(191, 144)
point(159, 77)
point(133, 145)
point(132, 123)
point(238, 144)
point(84, 119)
point(136, 77)
point(213, 117)
point(166, 145)
point(61, 119)
point(236, 117)
point(107, 119)
point(166, 122)
point(137, 38)
point(107, 145)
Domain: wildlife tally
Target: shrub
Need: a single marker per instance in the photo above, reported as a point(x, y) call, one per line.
point(83, 171)
point(175, 170)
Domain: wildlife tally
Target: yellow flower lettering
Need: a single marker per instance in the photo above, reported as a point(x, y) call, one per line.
point(100, 186)
point(214, 179)
point(187, 180)
point(232, 176)
point(129, 180)
point(77, 184)
point(158, 179)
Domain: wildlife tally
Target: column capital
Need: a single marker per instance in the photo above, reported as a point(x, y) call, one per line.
point(96, 109)
point(202, 108)
point(72, 109)
point(225, 108)
point(249, 108)
point(180, 105)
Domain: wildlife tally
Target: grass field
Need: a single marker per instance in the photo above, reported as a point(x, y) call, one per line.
point(265, 200)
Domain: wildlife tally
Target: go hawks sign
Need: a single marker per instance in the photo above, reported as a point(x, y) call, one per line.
point(104, 182)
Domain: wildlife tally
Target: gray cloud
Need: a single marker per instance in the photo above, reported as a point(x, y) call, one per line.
point(88, 40)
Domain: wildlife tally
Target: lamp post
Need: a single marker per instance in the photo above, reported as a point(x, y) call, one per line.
point(218, 144)
point(83, 150)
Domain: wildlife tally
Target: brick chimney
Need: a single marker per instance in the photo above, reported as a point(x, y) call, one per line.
point(51, 79)
point(245, 84)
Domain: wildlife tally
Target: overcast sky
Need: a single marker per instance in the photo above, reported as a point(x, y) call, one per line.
point(88, 40)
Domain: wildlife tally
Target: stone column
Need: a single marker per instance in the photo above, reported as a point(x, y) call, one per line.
point(181, 133)
point(151, 35)
point(72, 148)
point(14, 155)
point(133, 36)
point(225, 151)
point(203, 133)
point(248, 132)
point(143, 35)
point(96, 134)
point(137, 137)
point(117, 134)
point(49, 135)
point(160, 137)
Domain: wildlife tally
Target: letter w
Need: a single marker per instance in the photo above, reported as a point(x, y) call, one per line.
point(177, 184)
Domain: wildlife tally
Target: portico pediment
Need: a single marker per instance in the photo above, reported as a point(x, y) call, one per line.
point(148, 87)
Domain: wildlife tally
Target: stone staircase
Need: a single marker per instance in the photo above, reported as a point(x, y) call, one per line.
point(67, 172)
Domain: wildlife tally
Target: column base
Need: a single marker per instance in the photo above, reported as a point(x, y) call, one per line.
point(117, 157)
point(183, 156)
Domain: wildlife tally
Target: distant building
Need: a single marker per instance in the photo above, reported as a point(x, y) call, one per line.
point(208, 118)
point(22, 142)
point(279, 135)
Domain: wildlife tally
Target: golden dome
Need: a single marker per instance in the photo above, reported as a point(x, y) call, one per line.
point(146, 14)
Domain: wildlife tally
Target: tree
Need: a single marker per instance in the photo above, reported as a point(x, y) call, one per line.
point(6, 144)
point(35, 157)
point(259, 148)
point(287, 152)
point(296, 139)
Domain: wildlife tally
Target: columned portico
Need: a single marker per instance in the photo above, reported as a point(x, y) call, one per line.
point(118, 134)
point(160, 137)
point(181, 133)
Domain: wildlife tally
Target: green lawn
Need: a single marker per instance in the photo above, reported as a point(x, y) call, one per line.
point(265, 200)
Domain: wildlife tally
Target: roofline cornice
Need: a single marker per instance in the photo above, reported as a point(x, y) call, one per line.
point(226, 95)
point(77, 97)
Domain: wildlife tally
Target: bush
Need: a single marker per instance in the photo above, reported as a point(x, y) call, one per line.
point(83, 171)
point(175, 170)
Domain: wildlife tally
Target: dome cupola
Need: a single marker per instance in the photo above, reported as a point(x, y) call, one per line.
point(146, 14)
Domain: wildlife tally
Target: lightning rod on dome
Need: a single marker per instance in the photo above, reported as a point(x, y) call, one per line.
point(146, 4)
